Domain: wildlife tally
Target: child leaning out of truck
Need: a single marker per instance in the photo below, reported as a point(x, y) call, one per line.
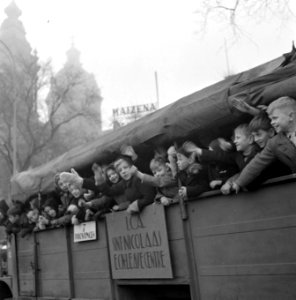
point(245, 151)
point(219, 172)
point(64, 194)
point(17, 219)
point(192, 176)
point(262, 131)
point(163, 179)
point(137, 193)
point(113, 179)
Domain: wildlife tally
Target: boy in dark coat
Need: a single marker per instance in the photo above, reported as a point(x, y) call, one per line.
point(282, 113)
point(245, 151)
point(192, 176)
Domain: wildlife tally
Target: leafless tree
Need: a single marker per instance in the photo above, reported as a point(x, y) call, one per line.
point(233, 13)
point(24, 88)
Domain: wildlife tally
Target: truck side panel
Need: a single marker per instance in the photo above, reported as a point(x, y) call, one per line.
point(177, 245)
point(26, 274)
point(91, 271)
point(53, 279)
point(245, 244)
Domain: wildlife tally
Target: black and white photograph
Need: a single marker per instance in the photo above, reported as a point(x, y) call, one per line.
point(147, 150)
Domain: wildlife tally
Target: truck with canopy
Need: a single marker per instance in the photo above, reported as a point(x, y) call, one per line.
point(214, 247)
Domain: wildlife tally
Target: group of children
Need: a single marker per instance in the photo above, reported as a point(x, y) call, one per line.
point(260, 150)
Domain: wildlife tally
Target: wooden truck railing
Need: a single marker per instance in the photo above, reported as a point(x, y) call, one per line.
point(242, 247)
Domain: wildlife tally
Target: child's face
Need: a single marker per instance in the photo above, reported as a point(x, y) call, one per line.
point(124, 170)
point(261, 137)
point(183, 162)
point(63, 185)
point(74, 190)
point(112, 176)
point(50, 211)
point(33, 216)
point(159, 170)
point(13, 218)
point(241, 141)
point(280, 120)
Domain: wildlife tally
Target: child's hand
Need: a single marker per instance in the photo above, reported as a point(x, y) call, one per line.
point(73, 171)
point(241, 105)
point(226, 188)
point(133, 207)
point(74, 220)
point(183, 191)
point(262, 107)
point(165, 201)
point(99, 174)
point(81, 202)
point(54, 222)
point(115, 207)
point(235, 187)
point(172, 151)
point(42, 220)
point(129, 150)
point(88, 215)
point(191, 147)
point(134, 170)
point(215, 183)
point(224, 145)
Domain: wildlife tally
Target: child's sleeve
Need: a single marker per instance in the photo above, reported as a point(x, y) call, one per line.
point(253, 169)
point(123, 205)
point(164, 181)
point(208, 156)
point(148, 194)
point(199, 188)
point(89, 184)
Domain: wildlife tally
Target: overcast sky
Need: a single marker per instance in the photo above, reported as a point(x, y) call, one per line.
point(124, 42)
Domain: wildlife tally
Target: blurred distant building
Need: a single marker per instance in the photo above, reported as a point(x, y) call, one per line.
point(82, 97)
point(18, 84)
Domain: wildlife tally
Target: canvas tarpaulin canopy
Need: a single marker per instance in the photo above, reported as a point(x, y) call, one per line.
point(203, 115)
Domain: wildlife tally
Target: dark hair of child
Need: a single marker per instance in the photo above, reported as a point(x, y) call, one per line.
point(244, 128)
point(110, 168)
point(125, 158)
point(182, 150)
point(260, 121)
point(214, 144)
point(158, 160)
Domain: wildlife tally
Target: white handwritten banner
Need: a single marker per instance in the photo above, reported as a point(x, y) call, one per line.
point(139, 244)
point(85, 232)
